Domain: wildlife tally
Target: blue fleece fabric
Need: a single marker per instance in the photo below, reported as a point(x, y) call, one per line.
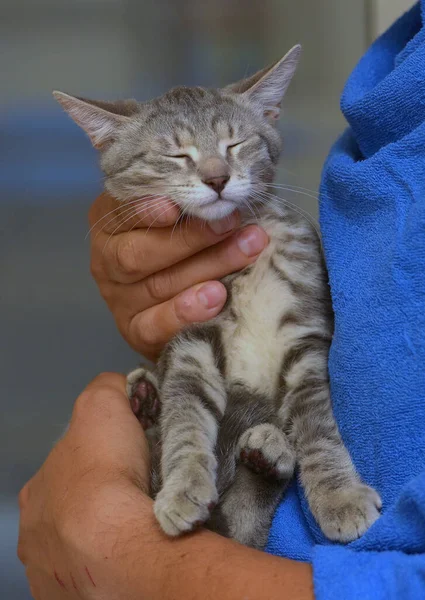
point(372, 212)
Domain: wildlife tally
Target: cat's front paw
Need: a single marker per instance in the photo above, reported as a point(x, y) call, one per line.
point(265, 449)
point(346, 514)
point(185, 504)
point(142, 391)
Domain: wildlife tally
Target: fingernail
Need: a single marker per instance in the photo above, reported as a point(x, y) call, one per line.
point(225, 225)
point(210, 295)
point(252, 241)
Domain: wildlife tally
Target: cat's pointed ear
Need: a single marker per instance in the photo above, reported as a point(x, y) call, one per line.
point(100, 120)
point(269, 85)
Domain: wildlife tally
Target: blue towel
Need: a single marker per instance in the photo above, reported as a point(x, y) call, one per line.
point(372, 213)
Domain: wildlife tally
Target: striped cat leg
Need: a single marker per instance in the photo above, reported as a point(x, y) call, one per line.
point(264, 469)
point(193, 403)
point(246, 508)
point(343, 506)
point(248, 499)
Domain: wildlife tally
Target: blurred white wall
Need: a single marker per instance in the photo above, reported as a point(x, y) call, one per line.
point(384, 12)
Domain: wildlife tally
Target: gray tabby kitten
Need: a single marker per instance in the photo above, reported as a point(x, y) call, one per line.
point(236, 403)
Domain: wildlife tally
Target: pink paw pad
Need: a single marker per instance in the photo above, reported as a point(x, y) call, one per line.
point(145, 403)
point(254, 459)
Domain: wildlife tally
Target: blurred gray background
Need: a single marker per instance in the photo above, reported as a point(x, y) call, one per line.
point(56, 332)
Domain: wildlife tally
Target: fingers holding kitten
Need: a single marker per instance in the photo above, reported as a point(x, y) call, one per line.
point(148, 313)
point(153, 278)
point(149, 330)
point(132, 248)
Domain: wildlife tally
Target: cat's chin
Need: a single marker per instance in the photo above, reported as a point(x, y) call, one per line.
point(213, 211)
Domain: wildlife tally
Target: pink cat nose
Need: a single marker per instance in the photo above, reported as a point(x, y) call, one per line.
point(217, 183)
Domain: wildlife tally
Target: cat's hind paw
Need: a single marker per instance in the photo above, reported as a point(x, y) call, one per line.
point(346, 514)
point(142, 392)
point(265, 449)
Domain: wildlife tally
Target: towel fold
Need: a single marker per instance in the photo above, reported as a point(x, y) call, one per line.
point(372, 213)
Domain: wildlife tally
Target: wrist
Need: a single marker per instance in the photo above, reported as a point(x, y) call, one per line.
point(108, 537)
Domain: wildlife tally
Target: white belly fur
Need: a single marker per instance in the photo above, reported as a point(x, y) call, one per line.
point(254, 345)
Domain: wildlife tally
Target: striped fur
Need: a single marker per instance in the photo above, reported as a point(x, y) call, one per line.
point(258, 368)
point(238, 402)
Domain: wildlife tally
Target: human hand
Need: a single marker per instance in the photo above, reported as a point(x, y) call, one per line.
point(88, 491)
point(156, 279)
point(87, 529)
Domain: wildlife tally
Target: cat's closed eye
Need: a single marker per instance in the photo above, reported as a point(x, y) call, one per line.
point(230, 146)
point(177, 156)
point(181, 158)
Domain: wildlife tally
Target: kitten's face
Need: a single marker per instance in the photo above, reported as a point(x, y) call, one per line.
point(204, 149)
point(210, 151)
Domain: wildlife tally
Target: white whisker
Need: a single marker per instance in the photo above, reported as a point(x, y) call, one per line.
point(151, 204)
point(133, 214)
point(295, 208)
point(158, 217)
point(159, 204)
point(289, 189)
point(135, 201)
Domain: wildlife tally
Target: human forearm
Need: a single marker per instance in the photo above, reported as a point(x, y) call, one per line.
point(204, 566)
point(229, 571)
